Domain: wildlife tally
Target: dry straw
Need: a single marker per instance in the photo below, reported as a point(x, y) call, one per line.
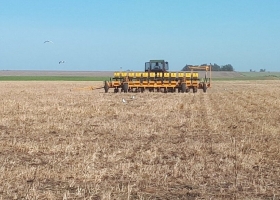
point(62, 144)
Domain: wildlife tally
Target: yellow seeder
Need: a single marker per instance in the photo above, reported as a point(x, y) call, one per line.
point(157, 78)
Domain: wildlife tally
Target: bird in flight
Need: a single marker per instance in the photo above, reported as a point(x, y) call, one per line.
point(123, 100)
point(48, 41)
point(61, 62)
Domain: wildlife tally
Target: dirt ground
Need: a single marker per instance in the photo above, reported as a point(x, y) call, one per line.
point(61, 142)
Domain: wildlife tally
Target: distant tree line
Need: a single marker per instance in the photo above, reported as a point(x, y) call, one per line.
point(214, 67)
point(261, 70)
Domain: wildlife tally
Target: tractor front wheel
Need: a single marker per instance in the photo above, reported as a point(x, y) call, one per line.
point(125, 87)
point(204, 87)
point(183, 87)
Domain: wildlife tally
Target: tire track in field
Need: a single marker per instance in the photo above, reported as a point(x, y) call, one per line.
point(209, 117)
point(207, 120)
point(214, 142)
point(218, 114)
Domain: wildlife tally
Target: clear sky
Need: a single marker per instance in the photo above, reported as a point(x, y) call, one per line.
point(109, 34)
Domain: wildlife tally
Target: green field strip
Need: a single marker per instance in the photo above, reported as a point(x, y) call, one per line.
point(52, 78)
point(246, 78)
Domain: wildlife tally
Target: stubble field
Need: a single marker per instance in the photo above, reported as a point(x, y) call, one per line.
point(60, 143)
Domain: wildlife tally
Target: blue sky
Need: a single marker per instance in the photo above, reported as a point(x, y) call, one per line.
point(109, 34)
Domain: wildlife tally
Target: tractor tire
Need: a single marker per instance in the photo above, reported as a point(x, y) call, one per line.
point(106, 87)
point(183, 88)
point(194, 89)
point(204, 87)
point(125, 87)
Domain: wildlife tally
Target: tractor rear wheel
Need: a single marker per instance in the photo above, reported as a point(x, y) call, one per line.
point(106, 87)
point(183, 87)
point(125, 87)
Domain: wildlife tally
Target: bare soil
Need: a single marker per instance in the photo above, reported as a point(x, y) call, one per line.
point(61, 142)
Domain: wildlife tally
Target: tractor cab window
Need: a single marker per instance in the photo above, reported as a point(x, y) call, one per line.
point(166, 66)
point(147, 66)
point(157, 66)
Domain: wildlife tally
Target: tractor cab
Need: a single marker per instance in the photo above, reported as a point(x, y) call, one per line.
point(156, 66)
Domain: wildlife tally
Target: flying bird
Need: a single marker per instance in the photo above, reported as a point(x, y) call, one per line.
point(48, 41)
point(123, 100)
point(61, 62)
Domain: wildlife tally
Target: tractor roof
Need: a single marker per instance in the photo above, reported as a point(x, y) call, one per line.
point(153, 61)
